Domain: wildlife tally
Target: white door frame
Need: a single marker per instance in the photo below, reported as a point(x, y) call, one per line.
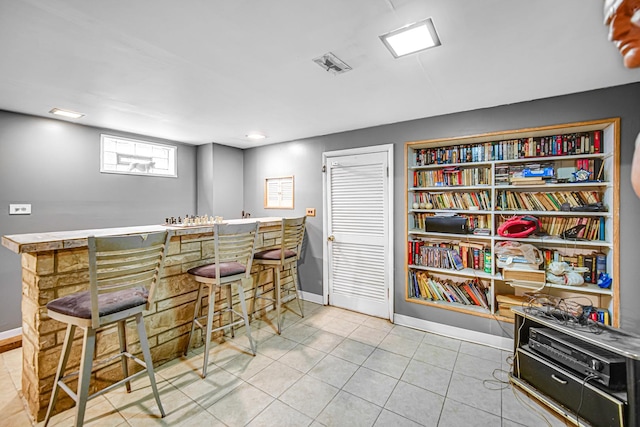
point(385, 148)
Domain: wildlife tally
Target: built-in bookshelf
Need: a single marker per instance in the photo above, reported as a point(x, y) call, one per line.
point(564, 176)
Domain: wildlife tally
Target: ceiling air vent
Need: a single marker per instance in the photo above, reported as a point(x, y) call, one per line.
point(330, 62)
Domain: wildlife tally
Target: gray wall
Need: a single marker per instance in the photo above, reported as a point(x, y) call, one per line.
point(303, 160)
point(55, 166)
point(220, 180)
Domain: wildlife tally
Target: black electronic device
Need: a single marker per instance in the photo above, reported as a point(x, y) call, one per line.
point(446, 224)
point(577, 397)
point(607, 368)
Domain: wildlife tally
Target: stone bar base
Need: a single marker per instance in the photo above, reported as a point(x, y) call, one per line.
point(51, 274)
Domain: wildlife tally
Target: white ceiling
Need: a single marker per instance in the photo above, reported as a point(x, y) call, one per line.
point(200, 71)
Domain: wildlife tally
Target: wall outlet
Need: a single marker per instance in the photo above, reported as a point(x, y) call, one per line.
point(311, 211)
point(20, 209)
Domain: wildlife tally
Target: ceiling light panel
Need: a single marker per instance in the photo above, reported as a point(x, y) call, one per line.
point(66, 113)
point(411, 38)
point(256, 136)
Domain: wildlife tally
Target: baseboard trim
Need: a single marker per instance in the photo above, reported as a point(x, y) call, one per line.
point(10, 339)
point(315, 298)
point(502, 343)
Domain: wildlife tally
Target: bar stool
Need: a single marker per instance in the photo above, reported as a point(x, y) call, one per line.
point(234, 245)
point(286, 254)
point(123, 273)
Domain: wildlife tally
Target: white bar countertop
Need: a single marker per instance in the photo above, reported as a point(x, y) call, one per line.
point(54, 240)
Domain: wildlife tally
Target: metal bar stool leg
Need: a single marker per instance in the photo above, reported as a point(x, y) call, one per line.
point(64, 358)
point(122, 337)
point(277, 289)
point(243, 304)
point(144, 344)
point(196, 314)
point(296, 284)
point(255, 299)
point(230, 308)
point(86, 364)
point(207, 331)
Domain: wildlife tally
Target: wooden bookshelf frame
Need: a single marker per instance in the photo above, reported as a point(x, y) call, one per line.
point(611, 143)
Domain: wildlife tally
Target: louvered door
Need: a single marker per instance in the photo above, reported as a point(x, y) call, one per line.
point(358, 244)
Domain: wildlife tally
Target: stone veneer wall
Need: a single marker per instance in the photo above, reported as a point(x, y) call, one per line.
point(53, 274)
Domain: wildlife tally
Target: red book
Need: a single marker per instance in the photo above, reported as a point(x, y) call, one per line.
point(596, 141)
point(475, 299)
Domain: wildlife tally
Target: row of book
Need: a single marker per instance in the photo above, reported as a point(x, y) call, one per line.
point(594, 263)
point(593, 166)
point(450, 255)
point(452, 177)
point(473, 221)
point(470, 292)
point(594, 227)
point(507, 200)
point(555, 145)
point(434, 256)
point(460, 200)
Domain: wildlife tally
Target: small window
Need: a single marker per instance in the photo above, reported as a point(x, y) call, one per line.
point(134, 157)
point(278, 193)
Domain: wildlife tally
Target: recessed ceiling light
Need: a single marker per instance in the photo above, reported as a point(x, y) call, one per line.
point(256, 135)
point(66, 113)
point(411, 38)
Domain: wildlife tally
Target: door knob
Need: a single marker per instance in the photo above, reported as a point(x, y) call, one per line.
point(331, 238)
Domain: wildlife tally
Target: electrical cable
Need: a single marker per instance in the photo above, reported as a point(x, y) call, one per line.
point(584, 382)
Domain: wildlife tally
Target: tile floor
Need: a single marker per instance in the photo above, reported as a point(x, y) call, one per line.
point(332, 368)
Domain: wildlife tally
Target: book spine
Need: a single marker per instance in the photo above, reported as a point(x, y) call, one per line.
point(476, 259)
point(601, 264)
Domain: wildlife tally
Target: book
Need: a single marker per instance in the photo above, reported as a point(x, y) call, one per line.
point(601, 264)
point(472, 295)
point(588, 264)
point(456, 260)
point(476, 258)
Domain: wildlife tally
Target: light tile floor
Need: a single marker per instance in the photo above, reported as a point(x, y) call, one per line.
point(332, 368)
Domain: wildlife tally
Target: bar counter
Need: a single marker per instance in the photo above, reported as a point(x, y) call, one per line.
point(57, 264)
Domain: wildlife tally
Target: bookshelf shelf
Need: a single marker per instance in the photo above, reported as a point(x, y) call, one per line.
point(465, 272)
point(514, 173)
point(557, 241)
point(585, 288)
point(551, 158)
point(437, 188)
point(552, 213)
point(458, 306)
point(543, 187)
point(450, 165)
point(450, 236)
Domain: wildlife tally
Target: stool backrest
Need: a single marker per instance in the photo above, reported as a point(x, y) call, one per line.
point(117, 263)
point(292, 235)
point(235, 243)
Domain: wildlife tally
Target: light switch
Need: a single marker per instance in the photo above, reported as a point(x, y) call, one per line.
point(20, 209)
point(311, 211)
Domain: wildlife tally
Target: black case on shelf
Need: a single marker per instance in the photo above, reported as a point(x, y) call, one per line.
point(446, 224)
